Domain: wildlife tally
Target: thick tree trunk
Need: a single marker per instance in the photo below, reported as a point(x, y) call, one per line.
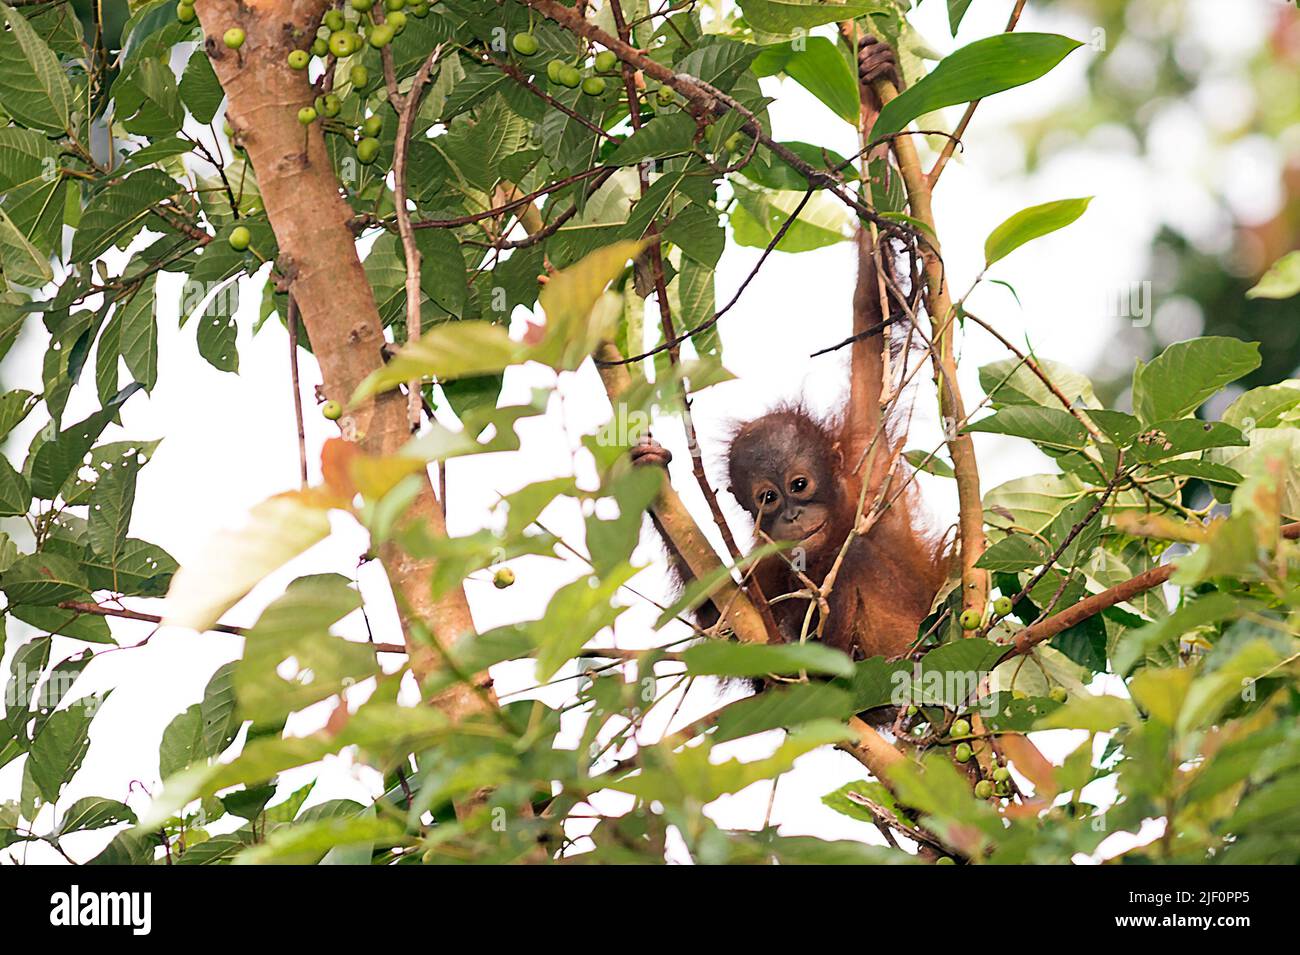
point(318, 256)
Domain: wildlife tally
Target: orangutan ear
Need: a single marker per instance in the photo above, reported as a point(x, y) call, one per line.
point(837, 458)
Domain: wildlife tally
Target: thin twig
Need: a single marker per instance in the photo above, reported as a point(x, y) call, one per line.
point(292, 321)
point(406, 116)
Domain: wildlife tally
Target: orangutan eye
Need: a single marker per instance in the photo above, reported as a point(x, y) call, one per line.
point(798, 485)
point(767, 498)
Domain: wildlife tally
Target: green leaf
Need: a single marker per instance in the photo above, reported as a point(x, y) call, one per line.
point(819, 67)
point(88, 627)
point(20, 260)
point(290, 658)
point(111, 503)
point(956, 12)
point(34, 89)
point(1014, 553)
point(217, 331)
point(306, 843)
point(783, 17)
point(26, 158)
point(15, 495)
point(220, 722)
point(759, 216)
point(147, 100)
point(115, 214)
point(60, 746)
point(94, 812)
point(139, 334)
point(981, 69)
point(1167, 439)
point(138, 569)
point(782, 708)
point(1096, 714)
point(662, 136)
point(780, 175)
point(576, 613)
point(1049, 427)
point(724, 658)
point(1282, 280)
point(930, 463)
point(43, 579)
point(1029, 224)
point(1180, 378)
point(199, 88)
point(1211, 608)
point(56, 459)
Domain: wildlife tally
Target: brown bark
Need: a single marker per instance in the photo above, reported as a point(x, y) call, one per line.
point(318, 257)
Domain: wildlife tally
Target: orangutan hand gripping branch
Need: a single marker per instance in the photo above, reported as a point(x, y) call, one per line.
point(860, 586)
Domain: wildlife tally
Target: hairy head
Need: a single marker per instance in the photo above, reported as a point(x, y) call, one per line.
point(783, 470)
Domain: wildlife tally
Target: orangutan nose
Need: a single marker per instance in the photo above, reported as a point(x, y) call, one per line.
point(791, 514)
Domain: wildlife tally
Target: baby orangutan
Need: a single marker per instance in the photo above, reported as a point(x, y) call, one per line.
point(789, 472)
point(801, 480)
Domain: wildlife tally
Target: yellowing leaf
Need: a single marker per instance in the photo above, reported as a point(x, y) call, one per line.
point(234, 562)
point(1282, 280)
point(448, 351)
point(574, 324)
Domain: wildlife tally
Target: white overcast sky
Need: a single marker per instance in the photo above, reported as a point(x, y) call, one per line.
point(229, 439)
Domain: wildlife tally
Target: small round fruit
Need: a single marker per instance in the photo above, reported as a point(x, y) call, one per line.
point(394, 4)
point(553, 70)
point(944, 860)
point(593, 85)
point(332, 410)
point(1059, 693)
point(359, 75)
point(1002, 606)
point(666, 96)
point(420, 10)
point(233, 38)
point(320, 48)
point(912, 711)
point(983, 789)
point(307, 115)
point(331, 104)
point(372, 125)
point(380, 35)
point(606, 61)
point(570, 77)
point(396, 20)
point(298, 59)
point(185, 12)
point(361, 6)
point(959, 728)
point(340, 44)
point(240, 238)
point(334, 20)
point(1001, 774)
point(970, 619)
point(368, 150)
point(503, 578)
point(962, 752)
point(525, 44)
point(228, 129)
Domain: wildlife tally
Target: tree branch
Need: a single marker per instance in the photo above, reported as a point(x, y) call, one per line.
point(1048, 627)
